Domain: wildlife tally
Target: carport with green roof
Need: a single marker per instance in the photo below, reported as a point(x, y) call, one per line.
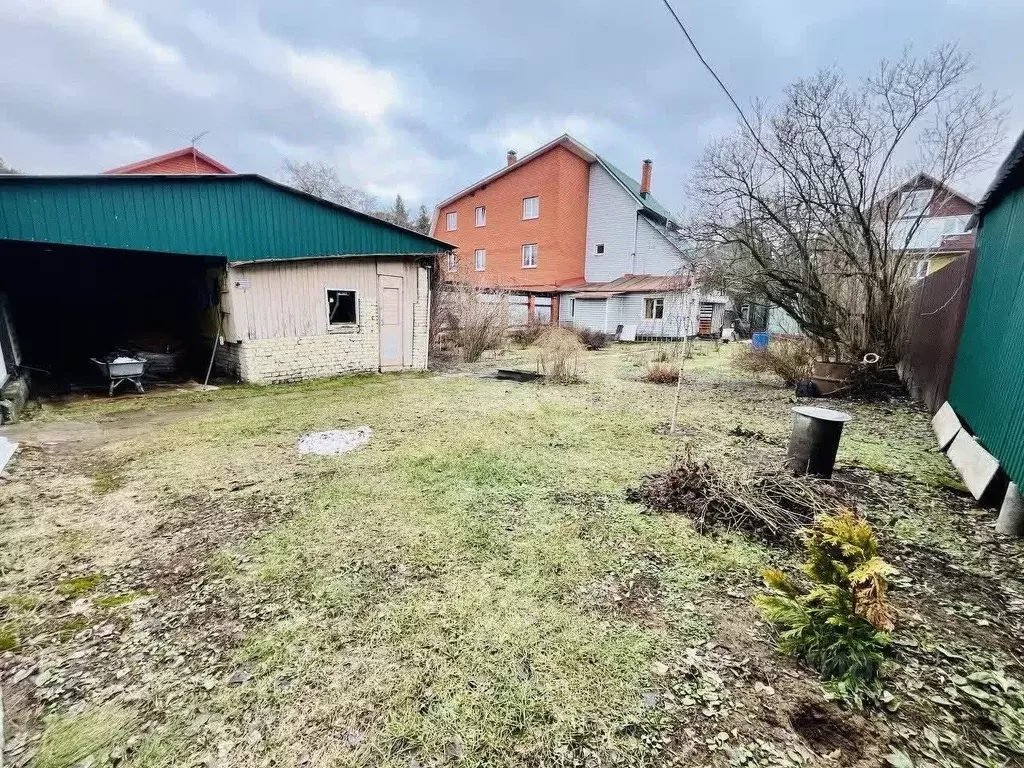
point(290, 285)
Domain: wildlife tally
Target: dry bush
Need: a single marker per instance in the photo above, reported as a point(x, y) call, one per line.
point(528, 334)
point(661, 372)
point(558, 352)
point(771, 504)
point(790, 359)
point(590, 338)
point(474, 320)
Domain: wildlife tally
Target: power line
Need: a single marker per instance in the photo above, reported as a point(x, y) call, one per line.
point(710, 69)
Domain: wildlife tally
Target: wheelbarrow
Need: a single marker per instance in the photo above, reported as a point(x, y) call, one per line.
point(122, 369)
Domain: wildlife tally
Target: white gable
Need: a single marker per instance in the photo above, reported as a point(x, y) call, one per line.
point(611, 222)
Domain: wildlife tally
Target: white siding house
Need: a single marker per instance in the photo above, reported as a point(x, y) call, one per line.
point(612, 214)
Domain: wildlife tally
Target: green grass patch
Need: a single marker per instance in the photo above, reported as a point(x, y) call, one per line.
point(68, 739)
point(80, 585)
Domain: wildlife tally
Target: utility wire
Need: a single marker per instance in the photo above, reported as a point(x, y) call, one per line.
point(709, 68)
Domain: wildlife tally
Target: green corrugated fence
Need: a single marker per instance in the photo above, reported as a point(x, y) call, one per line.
point(988, 381)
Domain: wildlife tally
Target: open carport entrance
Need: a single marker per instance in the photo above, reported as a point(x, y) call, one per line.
point(68, 304)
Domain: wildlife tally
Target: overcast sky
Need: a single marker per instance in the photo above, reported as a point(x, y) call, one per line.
point(423, 97)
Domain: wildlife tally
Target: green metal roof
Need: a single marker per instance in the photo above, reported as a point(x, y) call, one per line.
point(241, 217)
point(651, 206)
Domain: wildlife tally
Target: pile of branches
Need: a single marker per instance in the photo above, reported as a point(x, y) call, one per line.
point(771, 505)
point(874, 382)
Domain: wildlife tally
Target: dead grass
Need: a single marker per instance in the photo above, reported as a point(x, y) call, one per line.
point(470, 586)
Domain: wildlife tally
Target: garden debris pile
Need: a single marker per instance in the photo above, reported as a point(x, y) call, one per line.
point(769, 504)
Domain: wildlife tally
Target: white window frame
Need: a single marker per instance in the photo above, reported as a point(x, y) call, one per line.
point(451, 221)
point(653, 303)
point(535, 249)
point(453, 262)
point(480, 259)
point(535, 205)
point(916, 271)
point(910, 205)
point(327, 306)
point(481, 216)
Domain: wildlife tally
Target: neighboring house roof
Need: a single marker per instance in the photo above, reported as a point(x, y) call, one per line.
point(187, 160)
point(649, 205)
point(632, 284)
point(1006, 179)
point(924, 181)
point(241, 217)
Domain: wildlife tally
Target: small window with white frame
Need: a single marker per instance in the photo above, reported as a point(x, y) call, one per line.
point(480, 259)
point(919, 268)
point(599, 249)
point(530, 256)
point(342, 307)
point(914, 203)
point(452, 221)
point(453, 262)
point(654, 308)
point(481, 216)
point(531, 208)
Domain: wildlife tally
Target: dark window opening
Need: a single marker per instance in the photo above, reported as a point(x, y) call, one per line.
point(600, 248)
point(341, 307)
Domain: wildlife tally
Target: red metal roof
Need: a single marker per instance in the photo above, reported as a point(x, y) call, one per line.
point(633, 284)
point(187, 160)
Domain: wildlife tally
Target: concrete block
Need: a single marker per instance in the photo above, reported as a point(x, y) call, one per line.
point(946, 425)
point(976, 466)
point(1011, 514)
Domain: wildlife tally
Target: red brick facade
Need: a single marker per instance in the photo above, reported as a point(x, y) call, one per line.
point(561, 180)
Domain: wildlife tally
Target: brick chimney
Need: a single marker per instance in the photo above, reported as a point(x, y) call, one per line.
point(512, 157)
point(645, 178)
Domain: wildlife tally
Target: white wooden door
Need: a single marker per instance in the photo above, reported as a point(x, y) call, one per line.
point(389, 312)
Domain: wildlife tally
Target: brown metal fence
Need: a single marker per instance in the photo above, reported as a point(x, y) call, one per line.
point(937, 309)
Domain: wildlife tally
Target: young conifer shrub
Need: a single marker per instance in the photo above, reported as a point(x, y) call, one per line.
point(840, 623)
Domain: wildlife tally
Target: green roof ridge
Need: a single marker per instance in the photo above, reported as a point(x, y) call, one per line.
point(648, 201)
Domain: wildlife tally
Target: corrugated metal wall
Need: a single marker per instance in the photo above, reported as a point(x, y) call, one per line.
point(935, 318)
point(988, 381)
point(242, 218)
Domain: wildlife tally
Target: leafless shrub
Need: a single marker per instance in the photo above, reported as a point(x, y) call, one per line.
point(528, 334)
point(558, 352)
point(661, 372)
point(770, 504)
point(791, 360)
point(473, 320)
point(589, 337)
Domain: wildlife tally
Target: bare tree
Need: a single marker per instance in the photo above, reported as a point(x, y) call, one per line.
point(5, 168)
point(321, 179)
point(804, 206)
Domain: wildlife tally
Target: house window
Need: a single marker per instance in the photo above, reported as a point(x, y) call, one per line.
point(480, 259)
point(531, 207)
point(914, 203)
point(529, 256)
point(599, 249)
point(453, 263)
point(481, 216)
point(654, 309)
point(452, 221)
point(342, 307)
point(919, 268)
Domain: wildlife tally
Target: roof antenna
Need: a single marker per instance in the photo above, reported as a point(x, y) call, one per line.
point(192, 142)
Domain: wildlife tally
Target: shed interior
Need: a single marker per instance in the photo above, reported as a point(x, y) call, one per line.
point(69, 304)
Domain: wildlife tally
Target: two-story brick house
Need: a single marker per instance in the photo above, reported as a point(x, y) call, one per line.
point(933, 222)
point(582, 242)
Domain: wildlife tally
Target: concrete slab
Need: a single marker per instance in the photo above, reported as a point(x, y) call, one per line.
point(976, 466)
point(946, 424)
point(7, 449)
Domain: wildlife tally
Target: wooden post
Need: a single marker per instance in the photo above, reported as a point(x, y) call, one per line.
point(531, 305)
point(555, 306)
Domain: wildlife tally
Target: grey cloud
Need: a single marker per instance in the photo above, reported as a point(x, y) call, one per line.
point(468, 73)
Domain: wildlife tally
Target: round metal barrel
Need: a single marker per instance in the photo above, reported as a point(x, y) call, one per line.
point(815, 440)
